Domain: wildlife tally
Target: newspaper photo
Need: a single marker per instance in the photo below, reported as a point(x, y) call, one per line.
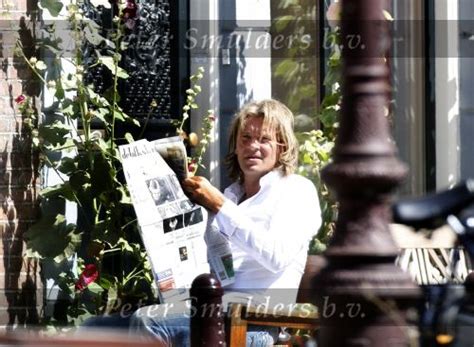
point(173, 151)
point(178, 235)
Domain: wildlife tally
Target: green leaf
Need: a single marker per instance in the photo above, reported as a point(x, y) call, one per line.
point(97, 99)
point(328, 117)
point(54, 133)
point(105, 283)
point(285, 67)
point(95, 288)
point(67, 166)
point(104, 3)
point(282, 22)
point(53, 6)
point(125, 245)
point(129, 138)
point(331, 100)
point(103, 175)
point(307, 159)
point(110, 94)
point(115, 69)
point(101, 113)
point(55, 50)
point(119, 115)
point(93, 36)
point(110, 43)
point(308, 91)
point(52, 237)
point(80, 181)
point(60, 190)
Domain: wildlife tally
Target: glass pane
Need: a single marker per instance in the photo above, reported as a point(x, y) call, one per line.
point(295, 58)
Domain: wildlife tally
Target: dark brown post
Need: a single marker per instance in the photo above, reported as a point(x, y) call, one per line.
point(207, 321)
point(361, 293)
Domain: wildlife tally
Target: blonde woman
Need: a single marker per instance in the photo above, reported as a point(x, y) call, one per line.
point(269, 215)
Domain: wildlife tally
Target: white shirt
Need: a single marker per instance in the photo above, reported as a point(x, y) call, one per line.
point(270, 231)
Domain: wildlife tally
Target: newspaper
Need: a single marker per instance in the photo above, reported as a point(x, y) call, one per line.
point(172, 150)
point(180, 237)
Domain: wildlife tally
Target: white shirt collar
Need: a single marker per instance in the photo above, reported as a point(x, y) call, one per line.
point(236, 190)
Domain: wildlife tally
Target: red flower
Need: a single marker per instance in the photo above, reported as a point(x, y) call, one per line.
point(89, 275)
point(129, 13)
point(20, 99)
point(130, 10)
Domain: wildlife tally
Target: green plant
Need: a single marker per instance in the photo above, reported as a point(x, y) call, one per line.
point(104, 238)
point(316, 145)
point(315, 153)
point(295, 69)
point(112, 269)
point(195, 161)
point(297, 75)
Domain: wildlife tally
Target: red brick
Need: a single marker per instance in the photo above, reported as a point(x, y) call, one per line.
point(13, 69)
point(20, 195)
point(11, 88)
point(8, 125)
point(20, 154)
point(14, 243)
point(7, 104)
point(18, 205)
point(19, 211)
point(20, 176)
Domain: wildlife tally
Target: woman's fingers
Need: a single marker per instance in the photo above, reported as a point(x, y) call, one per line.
point(191, 186)
point(193, 182)
point(188, 184)
point(201, 191)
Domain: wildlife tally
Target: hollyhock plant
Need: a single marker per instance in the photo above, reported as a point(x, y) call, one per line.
point(89, 158)
point(88, 275)
point(195, 161)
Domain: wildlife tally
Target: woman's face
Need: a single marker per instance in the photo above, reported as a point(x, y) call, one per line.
point(256, 149)
point(155, 190)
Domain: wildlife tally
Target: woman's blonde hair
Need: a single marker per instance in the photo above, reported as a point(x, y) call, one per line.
point(277, 120)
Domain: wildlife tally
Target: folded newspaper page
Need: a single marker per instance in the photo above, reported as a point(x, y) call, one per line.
point(178, 235)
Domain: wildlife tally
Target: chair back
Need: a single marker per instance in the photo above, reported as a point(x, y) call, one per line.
point(314, 263)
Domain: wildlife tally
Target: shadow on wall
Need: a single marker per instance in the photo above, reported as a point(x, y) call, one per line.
point(18, 179)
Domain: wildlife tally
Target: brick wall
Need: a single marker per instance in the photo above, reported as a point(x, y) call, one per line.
point(19, 280)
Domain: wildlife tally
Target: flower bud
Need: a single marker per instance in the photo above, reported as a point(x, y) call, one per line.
point(333, 14)
point(193, 139)
point(20, 99)
point(51, 84)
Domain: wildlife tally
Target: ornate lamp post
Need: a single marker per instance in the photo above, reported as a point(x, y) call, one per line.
point(361, 292)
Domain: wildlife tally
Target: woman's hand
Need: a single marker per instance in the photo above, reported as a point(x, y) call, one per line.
point(201, 191)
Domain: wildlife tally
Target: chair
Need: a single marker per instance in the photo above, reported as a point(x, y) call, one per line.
point(303, 316)
point(429, 266)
